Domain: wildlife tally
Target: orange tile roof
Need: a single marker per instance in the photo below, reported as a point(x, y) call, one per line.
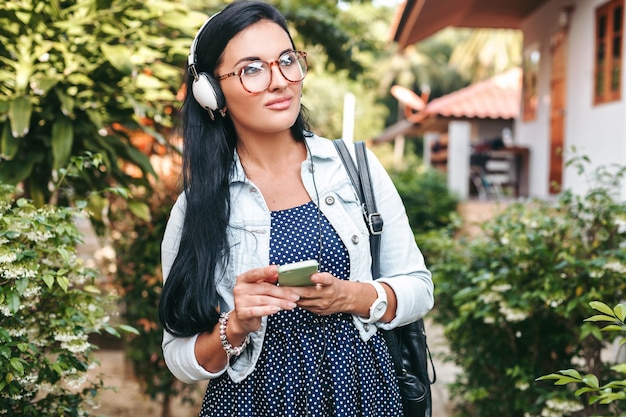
point(495, 98)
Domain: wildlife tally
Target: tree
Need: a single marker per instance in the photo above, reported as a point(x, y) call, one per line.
point(80, 76)
point(487, 52)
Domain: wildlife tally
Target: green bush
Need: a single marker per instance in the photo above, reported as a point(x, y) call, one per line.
point(137, 243)
point(49, 306)
point(429, 203)
point(512, 299)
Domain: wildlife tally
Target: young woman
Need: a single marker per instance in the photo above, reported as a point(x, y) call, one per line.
point(262, 191)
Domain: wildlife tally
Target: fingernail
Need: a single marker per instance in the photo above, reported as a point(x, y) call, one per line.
point(295, 297)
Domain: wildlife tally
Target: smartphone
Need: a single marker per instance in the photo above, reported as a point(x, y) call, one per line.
point(297, 274)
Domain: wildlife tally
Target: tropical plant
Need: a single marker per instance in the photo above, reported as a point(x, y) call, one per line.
point(613, 392)
point(50, 305)
point(81, 76)
point(512, 300)
point(487, 52)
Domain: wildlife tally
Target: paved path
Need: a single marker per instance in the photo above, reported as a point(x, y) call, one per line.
point(446, 372)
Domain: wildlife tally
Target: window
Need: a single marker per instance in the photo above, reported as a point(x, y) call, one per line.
point(530, 65)
point(608, 59)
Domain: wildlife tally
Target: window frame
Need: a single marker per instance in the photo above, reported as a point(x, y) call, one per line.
point(608, 68)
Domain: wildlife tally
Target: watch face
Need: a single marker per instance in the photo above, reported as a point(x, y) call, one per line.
point(379, 309)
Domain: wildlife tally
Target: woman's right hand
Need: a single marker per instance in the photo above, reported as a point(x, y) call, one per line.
point(257, 295)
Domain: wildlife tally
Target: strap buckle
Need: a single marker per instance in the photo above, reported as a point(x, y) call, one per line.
point(375, 223)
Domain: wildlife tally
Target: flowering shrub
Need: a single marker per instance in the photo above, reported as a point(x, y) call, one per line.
point(512, 299)
point(48, 308)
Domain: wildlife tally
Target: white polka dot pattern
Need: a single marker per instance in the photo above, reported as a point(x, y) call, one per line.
point(310, 365)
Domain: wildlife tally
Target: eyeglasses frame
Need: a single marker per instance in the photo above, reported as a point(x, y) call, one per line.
point(299, 54)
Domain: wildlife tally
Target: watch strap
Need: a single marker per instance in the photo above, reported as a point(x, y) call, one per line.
point(381, 297)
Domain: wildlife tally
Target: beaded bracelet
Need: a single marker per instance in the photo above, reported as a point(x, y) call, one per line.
point(228, 348)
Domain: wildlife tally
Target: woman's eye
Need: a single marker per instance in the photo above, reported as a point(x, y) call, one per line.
point(286, 60)
point(253, 68)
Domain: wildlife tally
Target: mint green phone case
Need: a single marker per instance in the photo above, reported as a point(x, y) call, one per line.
point(297, 274)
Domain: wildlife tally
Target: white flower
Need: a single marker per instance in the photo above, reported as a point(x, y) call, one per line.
point(15, 272)
point(17, 332)
point(522, 386)
point(490, 297)
point(6, 312)
point(501, 288)
point(616, 267)
point(557, 407)
point(512, 314)
point(7, 257)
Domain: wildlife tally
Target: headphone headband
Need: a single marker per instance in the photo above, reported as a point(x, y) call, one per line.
point(191, 58)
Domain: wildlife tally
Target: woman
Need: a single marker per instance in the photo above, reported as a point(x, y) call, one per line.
point(262, 191)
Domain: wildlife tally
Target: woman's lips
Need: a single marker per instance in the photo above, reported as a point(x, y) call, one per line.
point(279, 103)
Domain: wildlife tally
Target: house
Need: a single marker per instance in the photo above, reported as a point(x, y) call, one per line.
point(573, 67)
point(488, 108)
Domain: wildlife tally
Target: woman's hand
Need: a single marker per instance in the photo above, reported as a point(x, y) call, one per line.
point(329, 295)
point(256, 295)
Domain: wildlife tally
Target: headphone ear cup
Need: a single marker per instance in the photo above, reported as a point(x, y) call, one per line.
point(207, 92)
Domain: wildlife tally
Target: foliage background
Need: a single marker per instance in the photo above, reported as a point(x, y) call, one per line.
point(512, 300)
point(49, 306)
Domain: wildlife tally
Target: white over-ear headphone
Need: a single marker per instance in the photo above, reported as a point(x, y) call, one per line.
point(205, 88)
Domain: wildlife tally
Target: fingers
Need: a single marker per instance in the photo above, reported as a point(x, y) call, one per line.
point(256, 295)
point(264, 274)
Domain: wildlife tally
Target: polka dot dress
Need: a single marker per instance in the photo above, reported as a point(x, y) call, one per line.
point(310, 365)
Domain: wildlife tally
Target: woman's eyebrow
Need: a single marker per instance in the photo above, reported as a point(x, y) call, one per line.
point(256, 58)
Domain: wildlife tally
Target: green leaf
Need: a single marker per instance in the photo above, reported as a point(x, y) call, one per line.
point(21, 285)
point(8, 143)
point(583, 390)
point(57, 368)
point(619, 368)
point(62, 140)
point(601, 307)
point(613, 328)
point(564, 380)
point(140, 209)
point(111, 331)
point(63, 283)
point(14, 302)
point(620, 311)
point(92, 289)
point(67, 102)
point(128, 329)
point(64, 254)
point(14, 171)
point(16, 363)
point(20, 111)
point(49, 280)
point(591, 380)
point(600, 317)
point(571, 372)
point(118, 56)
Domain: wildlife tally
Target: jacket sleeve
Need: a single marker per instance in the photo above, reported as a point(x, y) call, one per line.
point(402, 264)
point(179, 353)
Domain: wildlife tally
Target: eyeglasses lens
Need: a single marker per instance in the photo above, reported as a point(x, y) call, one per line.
point(256, 76)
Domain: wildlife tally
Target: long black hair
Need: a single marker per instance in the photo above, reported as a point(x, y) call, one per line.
point(189, 301)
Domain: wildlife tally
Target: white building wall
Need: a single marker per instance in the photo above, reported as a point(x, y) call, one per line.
point(598, 132)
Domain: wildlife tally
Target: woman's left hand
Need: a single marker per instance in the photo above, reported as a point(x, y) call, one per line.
point(329, 295)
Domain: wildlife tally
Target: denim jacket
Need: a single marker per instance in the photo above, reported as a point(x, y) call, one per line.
point(401, 262)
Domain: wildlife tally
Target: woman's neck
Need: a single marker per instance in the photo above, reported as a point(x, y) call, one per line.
point(270, 154)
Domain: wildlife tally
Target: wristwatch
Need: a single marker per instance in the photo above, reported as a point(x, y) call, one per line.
point(379, 306)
